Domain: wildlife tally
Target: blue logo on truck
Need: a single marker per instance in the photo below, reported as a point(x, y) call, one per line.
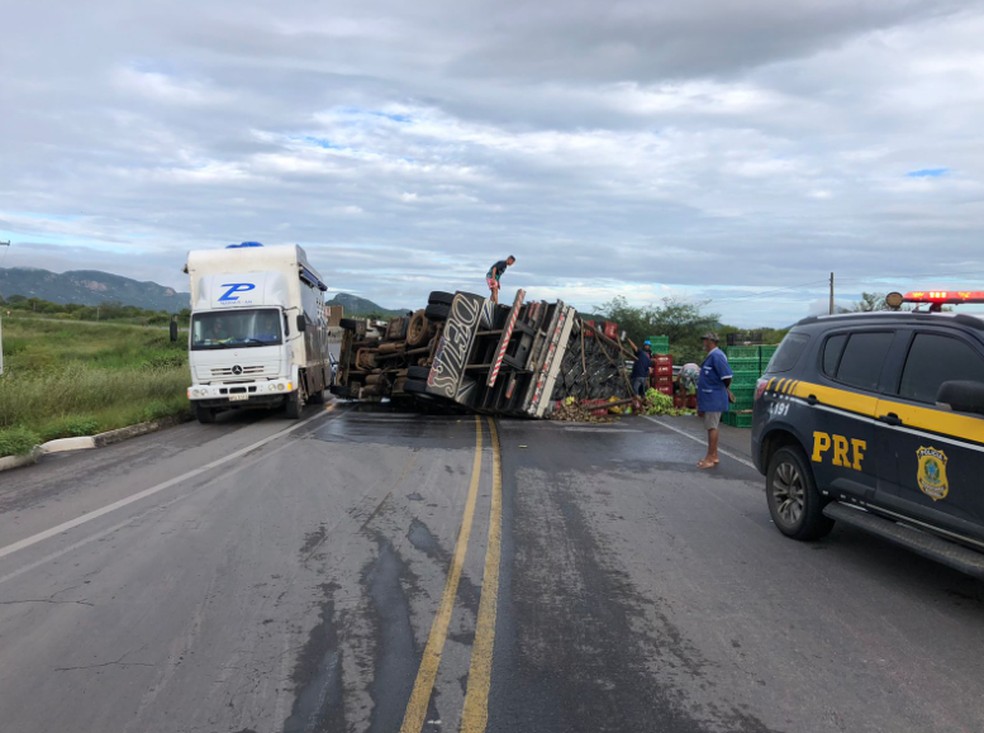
point(232, 294)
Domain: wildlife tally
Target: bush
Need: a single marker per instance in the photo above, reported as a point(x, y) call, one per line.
point(69, 426)
point(17, 441)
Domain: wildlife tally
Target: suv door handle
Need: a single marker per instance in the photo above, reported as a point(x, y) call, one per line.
point(891, 419)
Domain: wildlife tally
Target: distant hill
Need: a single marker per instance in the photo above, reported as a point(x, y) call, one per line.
point(89, 287)
point(92, 287)
point(356, 306)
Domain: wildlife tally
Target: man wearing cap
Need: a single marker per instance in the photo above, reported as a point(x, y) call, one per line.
point(640, 370)
point(713, 395)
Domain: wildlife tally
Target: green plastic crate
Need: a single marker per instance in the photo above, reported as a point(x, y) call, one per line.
point(660, 344)
point(744, 398)
point(737, 418)
point(740, 352)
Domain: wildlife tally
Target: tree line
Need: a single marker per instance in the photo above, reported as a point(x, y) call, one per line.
point(107, 311)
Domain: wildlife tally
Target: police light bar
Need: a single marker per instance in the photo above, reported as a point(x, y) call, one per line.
point(950, 297)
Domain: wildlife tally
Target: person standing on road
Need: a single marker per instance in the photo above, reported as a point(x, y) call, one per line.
point(713, 395)
point(493, 275)
point(640, 370)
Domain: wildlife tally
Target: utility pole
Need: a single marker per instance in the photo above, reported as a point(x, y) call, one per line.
point(830, 309)
point(2, 244)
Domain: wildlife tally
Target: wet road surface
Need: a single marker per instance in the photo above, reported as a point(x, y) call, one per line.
point(377, 571)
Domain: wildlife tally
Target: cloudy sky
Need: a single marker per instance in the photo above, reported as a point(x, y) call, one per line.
point(733, 154)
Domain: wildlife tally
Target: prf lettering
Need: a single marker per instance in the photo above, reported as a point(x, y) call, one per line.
point(843, 451)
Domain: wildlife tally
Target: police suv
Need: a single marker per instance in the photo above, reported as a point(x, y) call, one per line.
point(876, 420)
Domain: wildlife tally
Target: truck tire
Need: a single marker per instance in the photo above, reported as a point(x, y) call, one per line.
point(294, 405)
point(437, 312)
point(204, 414)
point(440, 297)
point(794, 502)
point(418, 329)
point(418, 372)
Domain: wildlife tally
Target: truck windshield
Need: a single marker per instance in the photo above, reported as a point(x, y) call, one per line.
point(236, 329)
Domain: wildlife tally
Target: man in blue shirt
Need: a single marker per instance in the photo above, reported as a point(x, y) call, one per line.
point(713, 395)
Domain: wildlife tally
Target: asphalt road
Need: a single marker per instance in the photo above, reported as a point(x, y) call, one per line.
point(376, 571)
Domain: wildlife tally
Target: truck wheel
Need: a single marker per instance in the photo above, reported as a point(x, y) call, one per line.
point(204, 414)
point(794, 502)
point(439, 297)
point(295, 405)
point(437, 312)
point(417, 329)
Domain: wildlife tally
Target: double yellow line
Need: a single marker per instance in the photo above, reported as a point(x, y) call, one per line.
point(475, 713)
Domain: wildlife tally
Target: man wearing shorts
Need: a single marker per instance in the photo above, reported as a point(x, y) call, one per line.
point(493, 275)
point(713, 395)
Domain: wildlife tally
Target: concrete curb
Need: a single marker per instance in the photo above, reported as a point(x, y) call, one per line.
point(8, 462)
point(89, 441)
point(64, 444)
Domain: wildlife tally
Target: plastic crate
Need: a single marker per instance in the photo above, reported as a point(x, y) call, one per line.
point(737, 418)
point(742, 352)
point(765, 355)
point(663, 370)
point(660, 344)
point(745, 374)
point(744, 398)
point(663, 359)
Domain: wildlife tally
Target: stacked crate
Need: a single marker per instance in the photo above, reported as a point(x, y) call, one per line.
point(747, 363)
point(662, 379)
point(659, 344)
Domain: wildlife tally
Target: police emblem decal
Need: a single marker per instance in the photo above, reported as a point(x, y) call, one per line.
point(931, 473)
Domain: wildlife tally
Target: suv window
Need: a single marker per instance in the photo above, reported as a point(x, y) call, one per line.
point(860, 360)
point(934, 359)
point(832, 350)
point(788, 352)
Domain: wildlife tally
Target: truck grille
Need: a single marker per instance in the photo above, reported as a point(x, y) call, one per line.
point(237, 373)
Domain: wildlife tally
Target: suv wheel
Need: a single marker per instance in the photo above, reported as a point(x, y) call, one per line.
point(794, 502)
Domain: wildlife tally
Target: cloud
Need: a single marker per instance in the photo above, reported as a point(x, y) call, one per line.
point(711, 151)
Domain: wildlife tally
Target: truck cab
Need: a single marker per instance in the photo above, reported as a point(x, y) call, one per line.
point(258, 333)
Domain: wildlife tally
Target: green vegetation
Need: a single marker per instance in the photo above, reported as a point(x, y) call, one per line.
point(681, 320)
point(65, 377)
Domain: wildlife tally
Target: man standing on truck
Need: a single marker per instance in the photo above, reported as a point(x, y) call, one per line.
point(493, 275)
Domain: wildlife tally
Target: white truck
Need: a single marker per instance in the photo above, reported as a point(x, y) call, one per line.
point(258, 335)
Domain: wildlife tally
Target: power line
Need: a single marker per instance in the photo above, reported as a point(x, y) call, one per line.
point(766, 293)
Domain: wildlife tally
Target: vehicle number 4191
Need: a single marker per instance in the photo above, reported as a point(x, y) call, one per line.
point(778, 409)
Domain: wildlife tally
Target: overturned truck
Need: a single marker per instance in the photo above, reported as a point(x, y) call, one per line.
point(466, 352)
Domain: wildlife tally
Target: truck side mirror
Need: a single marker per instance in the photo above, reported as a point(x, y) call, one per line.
point(301, 323)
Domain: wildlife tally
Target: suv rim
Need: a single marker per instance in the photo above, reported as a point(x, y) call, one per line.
point(789, 492)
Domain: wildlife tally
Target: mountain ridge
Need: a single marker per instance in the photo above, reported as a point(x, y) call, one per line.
point(94, 287)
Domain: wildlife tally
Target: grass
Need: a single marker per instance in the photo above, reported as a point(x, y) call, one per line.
point(63, 379)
